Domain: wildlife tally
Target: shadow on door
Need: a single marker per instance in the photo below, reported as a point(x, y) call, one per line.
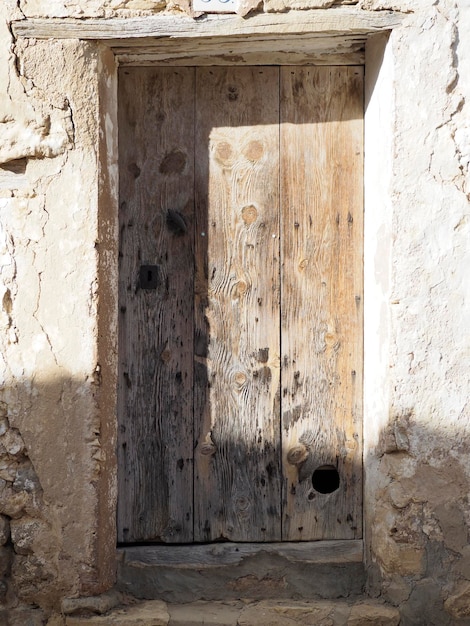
point(240, 346)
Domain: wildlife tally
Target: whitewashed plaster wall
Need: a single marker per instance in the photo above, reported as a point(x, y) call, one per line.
point(417, 354)
point(417, 369)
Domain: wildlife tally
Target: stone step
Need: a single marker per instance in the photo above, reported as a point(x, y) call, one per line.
point(228, 571)
point(246, 613)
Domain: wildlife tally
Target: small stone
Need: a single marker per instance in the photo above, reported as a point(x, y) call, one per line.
point(26, 480)
point(13, 442)
point(458, 605)
point(398, 590)
point(24, 532)
point(271, 613)
point(32, 575)
point(452, 522)
point(425, 605)
point(26, 617)
point(245, 6)
point(373, 614)
point(4, 530)
point(8, 469)
point(93, 604)
point(151, 613)
point(214, 613)
point(463, 565)
point(12, 504)
point(4, 425)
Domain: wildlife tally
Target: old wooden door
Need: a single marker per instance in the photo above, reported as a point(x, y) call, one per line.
point(240, 344)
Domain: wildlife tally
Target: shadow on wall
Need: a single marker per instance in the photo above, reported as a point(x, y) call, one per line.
point(50, 470)
point(419, 521)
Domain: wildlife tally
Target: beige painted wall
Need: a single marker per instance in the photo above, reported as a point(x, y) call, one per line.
point(57, 272)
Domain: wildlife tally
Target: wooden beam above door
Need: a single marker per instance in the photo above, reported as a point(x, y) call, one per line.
point(331, 36)
point(316, 37)
point(139, 30)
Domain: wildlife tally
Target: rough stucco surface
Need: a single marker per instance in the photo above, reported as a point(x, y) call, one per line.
point(420, 469)
point(48, 366)
point(51, 448)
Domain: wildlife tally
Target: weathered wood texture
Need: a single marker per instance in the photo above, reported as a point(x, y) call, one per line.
point(321, 234)
point(217, 554)
point(156, 126)
point(299, 49)
point(244, 187)
point(237, 312)
point(336, 20)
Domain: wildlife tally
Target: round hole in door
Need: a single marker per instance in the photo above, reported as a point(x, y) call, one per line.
point(325, 479)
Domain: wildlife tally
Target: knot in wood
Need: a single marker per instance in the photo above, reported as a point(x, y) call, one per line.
point(249, 214)
point(240, 378)
point(297, 454)
point(208, 448)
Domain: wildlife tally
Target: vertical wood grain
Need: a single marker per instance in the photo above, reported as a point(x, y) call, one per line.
point(321, 233)
point(237, 464)
point(254, 330)
point(156, 138)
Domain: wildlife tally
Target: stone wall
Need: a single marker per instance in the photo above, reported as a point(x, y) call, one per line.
point(419, 469)
point(57, 485)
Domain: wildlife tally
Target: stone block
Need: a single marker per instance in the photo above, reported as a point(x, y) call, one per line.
point(453, 526)
point(374, 614)
point(463, 565)
point(198, 613)
point(152, 613)
point(26, 617)
point(287, 614)
point(246, 6)
point(401, 558)
point(32, 576)
point(93, 604)
point(24, 532)
point(425, 605)
point(458, 604)
point(12, 504)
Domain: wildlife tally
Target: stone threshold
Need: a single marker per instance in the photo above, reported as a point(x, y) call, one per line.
point(246, 613)
point(115, 609)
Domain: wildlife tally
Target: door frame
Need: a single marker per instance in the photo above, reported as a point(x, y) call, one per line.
point(346, 550)
point(349, 550)
point(193, 53)
point(323, 33)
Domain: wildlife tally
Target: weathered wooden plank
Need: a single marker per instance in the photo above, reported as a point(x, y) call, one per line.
point(303, 49)
point(155, 449)
point(321, 231)
point(148, 58)
point(340, 20)
point(237, 480)
point(218, 554)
